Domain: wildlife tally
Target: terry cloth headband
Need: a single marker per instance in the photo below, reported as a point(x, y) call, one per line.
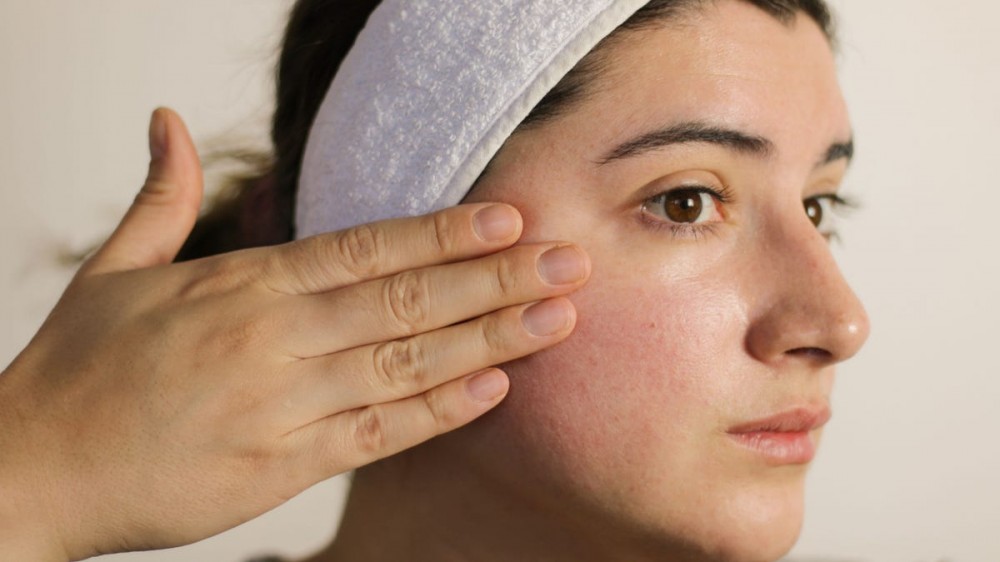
point(429, 93)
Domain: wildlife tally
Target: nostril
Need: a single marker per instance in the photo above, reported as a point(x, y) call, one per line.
point(812, 353)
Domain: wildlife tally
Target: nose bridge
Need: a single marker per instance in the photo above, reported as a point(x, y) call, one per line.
point(808, 308)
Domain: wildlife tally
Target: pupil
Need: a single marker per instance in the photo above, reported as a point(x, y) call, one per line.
point(684, 206)
point(814, 210)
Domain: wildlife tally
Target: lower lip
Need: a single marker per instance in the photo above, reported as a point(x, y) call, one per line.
point(779, 447)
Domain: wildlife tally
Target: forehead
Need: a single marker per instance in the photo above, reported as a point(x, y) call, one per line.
point(728, 62)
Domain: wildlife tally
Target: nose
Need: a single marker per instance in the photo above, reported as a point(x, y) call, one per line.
point(806, 311)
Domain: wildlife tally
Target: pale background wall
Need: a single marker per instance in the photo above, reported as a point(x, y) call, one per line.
point(908, 468)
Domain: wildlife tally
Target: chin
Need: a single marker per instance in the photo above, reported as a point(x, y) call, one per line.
point(749, 526)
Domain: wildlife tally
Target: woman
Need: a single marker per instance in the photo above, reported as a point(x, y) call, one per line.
point(695, 157)
point(696, 164)
point(678, 420)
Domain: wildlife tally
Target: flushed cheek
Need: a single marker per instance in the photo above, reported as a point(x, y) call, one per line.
point(640, 384)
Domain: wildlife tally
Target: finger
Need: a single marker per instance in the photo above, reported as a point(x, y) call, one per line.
point(329, 261)
point(164, 212)
point(352, 439)
point(394, 370)
point(422, 300)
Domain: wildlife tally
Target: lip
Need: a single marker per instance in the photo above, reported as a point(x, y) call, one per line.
point(784, 438)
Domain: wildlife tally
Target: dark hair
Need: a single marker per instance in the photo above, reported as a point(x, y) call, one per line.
point(258, 209)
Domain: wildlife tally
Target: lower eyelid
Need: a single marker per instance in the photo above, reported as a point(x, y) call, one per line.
point(676, 230)
point(679, 231)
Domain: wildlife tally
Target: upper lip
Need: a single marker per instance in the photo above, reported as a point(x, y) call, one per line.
point(794, 420)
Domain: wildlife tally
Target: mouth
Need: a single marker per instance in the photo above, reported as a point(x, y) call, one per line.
point(784, 438)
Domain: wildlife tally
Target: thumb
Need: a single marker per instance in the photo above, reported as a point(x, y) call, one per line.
point(163, 214)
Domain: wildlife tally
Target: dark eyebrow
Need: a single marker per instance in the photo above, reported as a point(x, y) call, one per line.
point(685, 133)
point(703, 133)
point(837, 151)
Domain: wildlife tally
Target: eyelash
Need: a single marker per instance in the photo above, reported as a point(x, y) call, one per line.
point(724, 196)
point(840, 206)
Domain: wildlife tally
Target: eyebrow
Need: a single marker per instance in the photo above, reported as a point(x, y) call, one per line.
point(696, 132)
point(838, 151)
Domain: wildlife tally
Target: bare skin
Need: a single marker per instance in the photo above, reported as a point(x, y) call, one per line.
point(617, 444)
point(161, 404)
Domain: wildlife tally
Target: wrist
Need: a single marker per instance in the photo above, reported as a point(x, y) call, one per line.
point(26, 542)
point(25, 531)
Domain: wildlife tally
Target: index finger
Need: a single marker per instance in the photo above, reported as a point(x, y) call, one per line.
point(329, 261)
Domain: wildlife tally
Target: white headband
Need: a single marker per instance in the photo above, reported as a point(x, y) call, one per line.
point(427, 96)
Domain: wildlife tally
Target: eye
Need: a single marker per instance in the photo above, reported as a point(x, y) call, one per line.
point(686, 206)
point(821, 210)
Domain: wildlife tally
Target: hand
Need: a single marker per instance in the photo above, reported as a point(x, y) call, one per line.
point(163, 403)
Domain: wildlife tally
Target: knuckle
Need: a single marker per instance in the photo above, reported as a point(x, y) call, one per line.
point(443, 229)
point(243, 335)
point(407, 300)
point(361, 249)
point(292, 260)
point(212, 277)
point(258, 458)
point(306, 264)
point(370, 432)
point(496, 338)
point(442, 417)
point(505, 272)
point(398, 366)
point(267, 460)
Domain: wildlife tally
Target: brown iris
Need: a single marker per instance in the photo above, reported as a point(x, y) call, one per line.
point(683, 205)
point(814, 210)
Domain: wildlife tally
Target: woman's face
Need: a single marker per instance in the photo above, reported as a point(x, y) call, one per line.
point(707, 309)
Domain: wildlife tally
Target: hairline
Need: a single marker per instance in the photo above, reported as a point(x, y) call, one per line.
point(579, 84)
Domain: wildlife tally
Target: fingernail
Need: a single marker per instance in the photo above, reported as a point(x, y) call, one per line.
point(157, 135)
point(546, 318)
point(495, 223)
point(561, 266)
point(487, 386)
